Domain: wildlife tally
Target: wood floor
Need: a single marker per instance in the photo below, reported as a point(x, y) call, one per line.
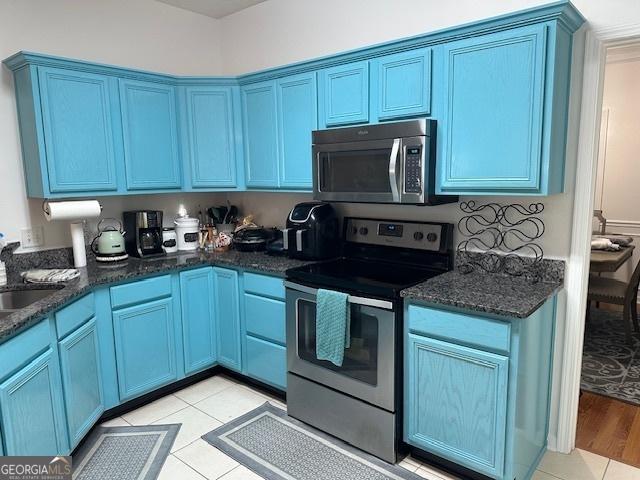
point(609, 427)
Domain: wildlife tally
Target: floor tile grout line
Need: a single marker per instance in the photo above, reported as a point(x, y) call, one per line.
point(161, 418)
point(606, 469)
point(208, 396)
point(215, 418)
point(188, 406)
point(188, 466)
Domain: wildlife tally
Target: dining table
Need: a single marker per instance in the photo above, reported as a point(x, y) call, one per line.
point(609, 260)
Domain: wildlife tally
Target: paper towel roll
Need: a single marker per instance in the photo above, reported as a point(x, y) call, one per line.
point(72, 210)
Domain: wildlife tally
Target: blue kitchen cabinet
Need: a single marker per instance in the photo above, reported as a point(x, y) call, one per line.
point(78, 132)
point(227, 314)
point(259, 117)
point(82, 380)
point(149, 126)
point(144, 325)
point(297, 117)
point(210, 136)
point(458, 402)
point(199, 334)
point(266, 361)
point(477, 388)
point(492, 123)
point(344, 94)
point(401, 85)
point(32, 408)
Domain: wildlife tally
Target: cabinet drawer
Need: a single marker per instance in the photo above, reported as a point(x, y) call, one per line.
point(141, 291)
point(23, 348)
point(264, 285)
point(267, 362)
point(470, 330)
point(72, 316)
point(265, 318)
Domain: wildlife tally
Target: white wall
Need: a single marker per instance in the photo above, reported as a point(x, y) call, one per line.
point(617, 192)
point(134, 33)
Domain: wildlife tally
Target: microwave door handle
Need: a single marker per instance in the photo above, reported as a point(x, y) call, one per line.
point(393, 170)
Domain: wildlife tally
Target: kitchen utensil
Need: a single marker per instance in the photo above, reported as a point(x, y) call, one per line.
point(250, 239)
point(214, 213)
point(110, 241)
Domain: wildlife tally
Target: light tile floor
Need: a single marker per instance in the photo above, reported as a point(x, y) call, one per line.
point(210, 403)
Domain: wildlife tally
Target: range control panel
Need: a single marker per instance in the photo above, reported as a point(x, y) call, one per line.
point(423, 236)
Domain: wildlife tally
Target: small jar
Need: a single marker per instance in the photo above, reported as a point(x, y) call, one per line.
point(169, 241)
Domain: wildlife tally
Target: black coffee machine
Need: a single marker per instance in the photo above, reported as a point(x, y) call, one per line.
point(143, 233)
point(312, 232)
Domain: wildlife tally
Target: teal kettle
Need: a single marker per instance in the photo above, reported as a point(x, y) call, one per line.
point(110, 241)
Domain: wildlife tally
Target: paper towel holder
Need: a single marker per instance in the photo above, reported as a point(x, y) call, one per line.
point(76, 226)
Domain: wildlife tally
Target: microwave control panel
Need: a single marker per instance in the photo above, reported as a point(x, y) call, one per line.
point(413, 169)
point(422, 236)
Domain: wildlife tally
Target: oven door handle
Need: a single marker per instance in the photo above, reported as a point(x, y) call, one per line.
point(393, 170)
point(369, 302)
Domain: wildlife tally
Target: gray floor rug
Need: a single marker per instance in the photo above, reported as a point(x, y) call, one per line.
point(124, 453)
point(278, 447)
point(610, 366)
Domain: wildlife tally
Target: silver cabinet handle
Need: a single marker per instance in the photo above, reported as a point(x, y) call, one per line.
point(369, 302)
point(393, 170)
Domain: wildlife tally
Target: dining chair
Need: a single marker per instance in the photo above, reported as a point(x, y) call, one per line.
point(609, 290)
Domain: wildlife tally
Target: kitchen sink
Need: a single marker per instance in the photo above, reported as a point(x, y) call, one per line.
point(17, 299)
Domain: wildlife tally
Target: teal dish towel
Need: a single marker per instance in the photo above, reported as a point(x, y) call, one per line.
point(333, 325)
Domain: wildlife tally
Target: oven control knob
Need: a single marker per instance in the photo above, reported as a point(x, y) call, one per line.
point(364, 230)
point(432, 237)
point(354, 230)
point(418, 236)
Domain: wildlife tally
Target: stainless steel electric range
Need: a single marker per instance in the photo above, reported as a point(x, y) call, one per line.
point(360, 401)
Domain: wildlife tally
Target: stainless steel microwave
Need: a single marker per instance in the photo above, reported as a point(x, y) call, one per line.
point(385, 163)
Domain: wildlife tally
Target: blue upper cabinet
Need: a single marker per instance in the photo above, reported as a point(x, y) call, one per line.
point(227, 311)
point(259, 119)
point(78, 132)
point(198, 319)
point(210, 136)
point(344, 94)
point(401, 85)
point(492, 124)
point(297, 118)
point(150, 130)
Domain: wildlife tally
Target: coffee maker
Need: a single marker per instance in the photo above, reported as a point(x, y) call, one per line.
point(312, 232)
point(143, 233)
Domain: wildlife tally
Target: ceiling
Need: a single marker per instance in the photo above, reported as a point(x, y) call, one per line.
point(213, 8)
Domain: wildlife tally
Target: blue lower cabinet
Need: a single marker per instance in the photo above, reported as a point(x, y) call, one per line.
point(145, 347)
point(266, 362)
point(457, 403)
point(82, 380)
point(198, 319)
point(227, 313)
point(32, 409)
point(265, 318)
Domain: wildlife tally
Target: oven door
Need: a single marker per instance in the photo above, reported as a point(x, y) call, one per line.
point(368, 369)
point(366, 171)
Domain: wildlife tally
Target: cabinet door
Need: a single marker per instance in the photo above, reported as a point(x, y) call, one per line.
point(227, 309)
point(344, 94)
point(145, 347)
point(401, 84)
point(198, 321)
point(211, 136)
point(492, 122)
point(82, 380)
point(32, 410)
point(78, 132)
point(260, 134)
point(297, 118)
point(151, 154)
point(456, 403)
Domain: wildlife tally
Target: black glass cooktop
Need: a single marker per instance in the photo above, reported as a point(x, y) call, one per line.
point(363, 276)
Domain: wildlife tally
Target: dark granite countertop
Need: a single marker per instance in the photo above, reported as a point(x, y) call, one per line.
point(492, 293)
point(95, 274)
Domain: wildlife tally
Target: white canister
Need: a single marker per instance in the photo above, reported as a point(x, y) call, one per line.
point(187, 233)
point(169, 241)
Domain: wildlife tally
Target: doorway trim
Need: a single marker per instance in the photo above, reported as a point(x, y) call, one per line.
point(597, 41)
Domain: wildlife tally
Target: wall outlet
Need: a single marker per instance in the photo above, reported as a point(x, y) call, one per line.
point(32, 237)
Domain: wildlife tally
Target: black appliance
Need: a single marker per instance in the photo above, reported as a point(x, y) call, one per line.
point(360, 401)
point(312, 232)
point(250, 239)
point(143, 233)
